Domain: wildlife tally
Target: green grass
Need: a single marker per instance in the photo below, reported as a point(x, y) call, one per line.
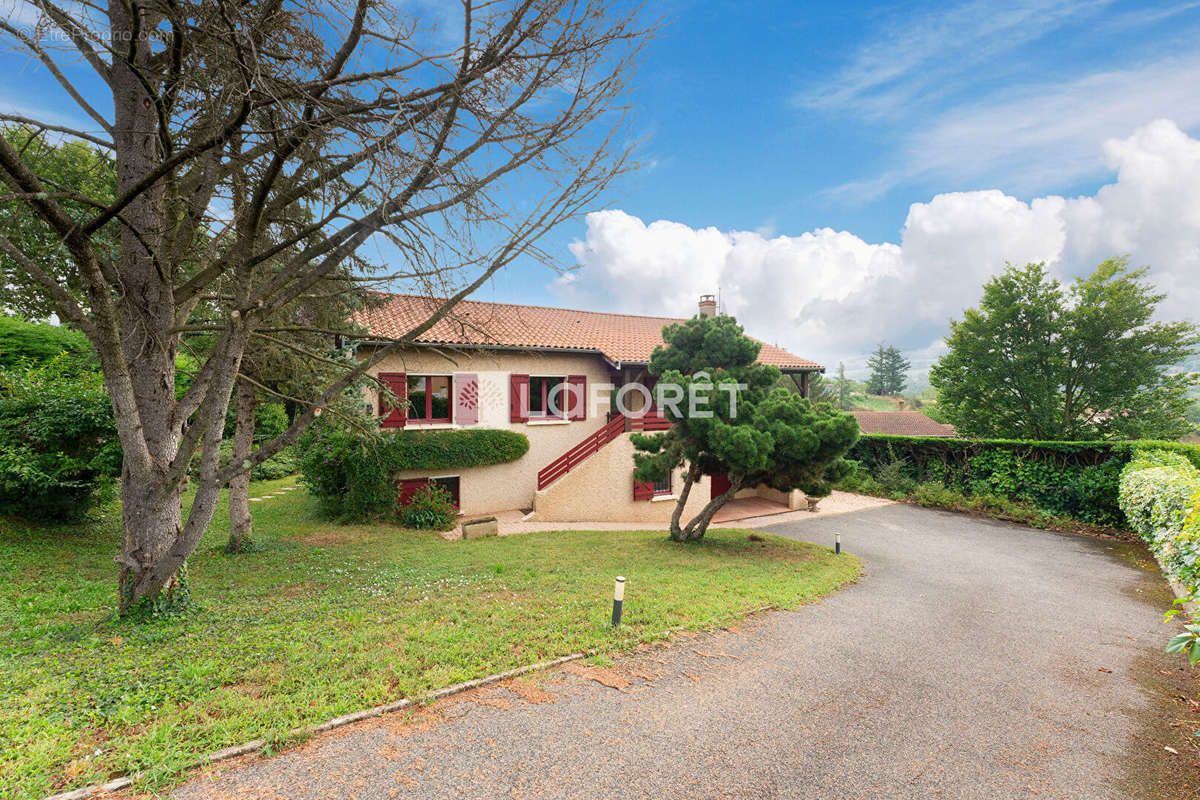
point(872, 402)
point(323, 620)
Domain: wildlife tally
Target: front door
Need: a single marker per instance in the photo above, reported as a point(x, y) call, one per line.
point(720, 485)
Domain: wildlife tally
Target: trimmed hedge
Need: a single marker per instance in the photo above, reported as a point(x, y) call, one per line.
point(351, 473)
point(27, 344)
point(1079, 480)
point(1160, 495)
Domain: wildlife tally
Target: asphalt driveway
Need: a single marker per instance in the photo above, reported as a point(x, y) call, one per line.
point(975, 659)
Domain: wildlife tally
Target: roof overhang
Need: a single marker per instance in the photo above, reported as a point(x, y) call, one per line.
point(512, 348)
point(616, 365)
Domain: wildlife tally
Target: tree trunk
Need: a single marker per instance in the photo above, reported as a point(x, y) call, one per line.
point(694, 531)
point(150, 522)
point(241, 525)
point(151, 512)
point(693, 475)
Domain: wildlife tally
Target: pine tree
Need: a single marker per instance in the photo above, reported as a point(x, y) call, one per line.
point(887, 365)
point(896, 365)
point(877, 363)
point(843, 388)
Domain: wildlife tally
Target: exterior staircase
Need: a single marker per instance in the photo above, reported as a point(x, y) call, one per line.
point(616, 425)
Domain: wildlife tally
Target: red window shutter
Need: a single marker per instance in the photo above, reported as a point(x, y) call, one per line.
point(397, 383)
point(407, 488)
point(466, 398)
point(519, 398)
point(577, 397)
point(642, 490)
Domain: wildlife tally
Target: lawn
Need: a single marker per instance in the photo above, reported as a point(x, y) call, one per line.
point(323, 620)
point(873, 402)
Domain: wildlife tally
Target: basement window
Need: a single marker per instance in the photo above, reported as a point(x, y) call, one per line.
point(450, 484)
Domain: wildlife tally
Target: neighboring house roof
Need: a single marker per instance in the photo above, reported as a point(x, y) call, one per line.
point(901, 423)
point(618, 337)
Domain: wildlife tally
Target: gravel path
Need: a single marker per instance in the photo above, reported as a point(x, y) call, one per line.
point(975, 660)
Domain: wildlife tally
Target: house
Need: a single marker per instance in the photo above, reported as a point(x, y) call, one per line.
point(902, 423)
point(499, 365)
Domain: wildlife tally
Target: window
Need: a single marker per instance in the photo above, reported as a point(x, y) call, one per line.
point(410, 486)
point(393, 401)
point(429, 398)
point(547, 396)
point(663, 487)
point(450, 485)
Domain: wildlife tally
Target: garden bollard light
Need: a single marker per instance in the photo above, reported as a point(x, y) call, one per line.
point(618, 597)
point(837, 544)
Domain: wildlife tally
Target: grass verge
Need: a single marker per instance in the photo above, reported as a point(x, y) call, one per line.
point(322, 620)
point(935, 495)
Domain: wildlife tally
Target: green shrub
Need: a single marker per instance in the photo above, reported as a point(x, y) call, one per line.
point(430, 508)
point(31, 343)
point(892, 476)
point(58, 442)
point(1160, 495)
point(1079, 480)
point(284, 463)
point(270, 420)
point(351, 472)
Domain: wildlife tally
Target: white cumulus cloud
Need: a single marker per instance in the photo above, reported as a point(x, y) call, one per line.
point(830, 295)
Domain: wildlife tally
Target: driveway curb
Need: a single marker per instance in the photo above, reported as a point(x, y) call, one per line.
point(255, 745)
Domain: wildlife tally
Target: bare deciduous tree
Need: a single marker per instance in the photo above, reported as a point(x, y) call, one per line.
point(458, 142)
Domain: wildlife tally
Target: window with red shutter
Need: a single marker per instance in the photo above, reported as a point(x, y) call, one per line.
point(394, 416)
point(577, 397)
point(519, 398)
point(642, 490)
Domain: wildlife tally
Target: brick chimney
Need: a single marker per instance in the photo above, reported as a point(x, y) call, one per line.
point(708, 305)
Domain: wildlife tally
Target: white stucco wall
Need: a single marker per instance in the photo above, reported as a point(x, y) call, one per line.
point(601, 490)
point(506, 486)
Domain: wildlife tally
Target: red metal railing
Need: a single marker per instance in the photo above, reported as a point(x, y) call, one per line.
point(616, 425)
point(650, 422)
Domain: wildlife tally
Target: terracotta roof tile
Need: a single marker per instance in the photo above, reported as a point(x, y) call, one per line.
point(901, 423)
point(619, 337)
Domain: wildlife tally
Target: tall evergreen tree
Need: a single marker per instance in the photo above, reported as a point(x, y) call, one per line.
point(843, 388)
point(895, 367)
point(877, 363)
point(888, 367)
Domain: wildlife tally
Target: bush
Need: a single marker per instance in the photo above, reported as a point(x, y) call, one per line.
point(1160, 494)
point(1079, 480)
point(430, 508)
point(59, 451)
point(284, 463)
point(351, 473)
point(27, 344)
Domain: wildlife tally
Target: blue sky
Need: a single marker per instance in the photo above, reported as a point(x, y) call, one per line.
point(785, 118)
point(850, 173)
